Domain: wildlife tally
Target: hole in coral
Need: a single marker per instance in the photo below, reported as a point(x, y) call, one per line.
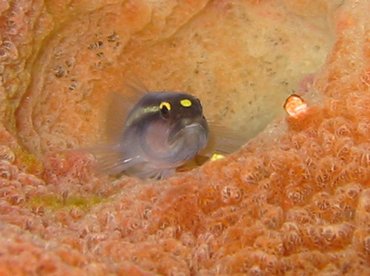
point(242, 67)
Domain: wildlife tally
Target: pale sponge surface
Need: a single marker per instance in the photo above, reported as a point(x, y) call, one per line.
point(241, 58)
point(295, 199)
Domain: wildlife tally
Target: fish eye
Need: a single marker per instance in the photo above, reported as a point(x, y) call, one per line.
point(165, 108)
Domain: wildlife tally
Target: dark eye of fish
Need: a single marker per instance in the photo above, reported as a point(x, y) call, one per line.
point(165, 108)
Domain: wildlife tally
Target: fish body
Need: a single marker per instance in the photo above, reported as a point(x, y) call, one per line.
point(162, 131)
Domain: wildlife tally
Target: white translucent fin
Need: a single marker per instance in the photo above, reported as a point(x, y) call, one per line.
point(135, 85)
point(223, 140)
point(157, 174)
point(111, 160)
point(120, 104)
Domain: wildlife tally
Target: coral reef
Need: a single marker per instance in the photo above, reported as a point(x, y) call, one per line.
point(294, 200)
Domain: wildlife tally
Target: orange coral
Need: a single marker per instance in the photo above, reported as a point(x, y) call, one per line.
point(294, 200)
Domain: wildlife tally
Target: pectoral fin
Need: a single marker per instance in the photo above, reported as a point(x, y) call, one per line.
point(223, 140)
point(112, 160)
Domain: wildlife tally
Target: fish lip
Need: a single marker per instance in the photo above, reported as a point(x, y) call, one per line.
point(181, 127)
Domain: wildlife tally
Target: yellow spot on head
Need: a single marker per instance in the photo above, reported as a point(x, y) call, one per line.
point(166, 105)
point(186, 102)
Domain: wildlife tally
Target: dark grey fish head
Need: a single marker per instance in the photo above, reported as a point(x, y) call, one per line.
point(186, 112)
point(169, 126)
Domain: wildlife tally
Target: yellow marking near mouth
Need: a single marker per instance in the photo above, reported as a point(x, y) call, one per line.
point(217, 156)
point(186, 102)
point(165, 104)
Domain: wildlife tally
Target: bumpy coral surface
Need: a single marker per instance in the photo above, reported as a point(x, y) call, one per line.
point(293, 200)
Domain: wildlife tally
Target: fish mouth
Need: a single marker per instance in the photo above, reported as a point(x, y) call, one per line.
point(196, 131)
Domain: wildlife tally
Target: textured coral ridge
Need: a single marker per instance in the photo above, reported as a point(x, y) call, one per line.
point(295, 199)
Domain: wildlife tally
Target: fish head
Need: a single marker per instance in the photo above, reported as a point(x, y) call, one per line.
point(168, 126)
point(183, 112)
